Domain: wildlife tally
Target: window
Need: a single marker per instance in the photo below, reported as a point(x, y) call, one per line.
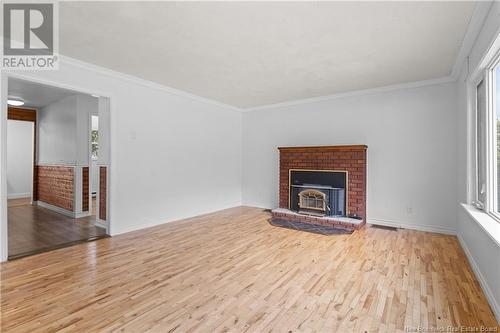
point(95, 144)
point(496, 105)
point(486, 118)
point(481, 145)
point(94, 138)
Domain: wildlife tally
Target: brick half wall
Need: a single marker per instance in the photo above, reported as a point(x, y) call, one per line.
point(103, 194)
point(85, 189)
point(55, 185)
point(339, 158)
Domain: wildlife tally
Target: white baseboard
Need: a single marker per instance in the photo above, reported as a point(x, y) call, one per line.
point(259, 205)
point(19, 195)
point(63, 211)
point(412, 226)
point(482, 281)
point(101, 223)
point(148, 223)
point(56, 209)
point(388, 223)
point(82, 214)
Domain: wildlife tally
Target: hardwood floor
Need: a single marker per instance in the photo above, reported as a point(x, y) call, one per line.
point(18, 202)
point(34, 229)
point(232, 271)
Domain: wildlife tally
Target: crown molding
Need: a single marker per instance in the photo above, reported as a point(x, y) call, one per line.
point(370, 91)
point(476, 23)
point(145, 83)
point(153, 85)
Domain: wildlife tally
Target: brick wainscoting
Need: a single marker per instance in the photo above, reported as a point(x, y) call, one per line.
point(85, 189)
point(339, 158)
point(103, 181)
point(55, 186)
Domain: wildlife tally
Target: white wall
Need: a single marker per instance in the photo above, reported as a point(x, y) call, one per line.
point(410, 133)
point(63, 137)
point(64, 130)
point(57, 127)
point(86, 106)
point(19, 158)
point(482, 249)
point(172, 156)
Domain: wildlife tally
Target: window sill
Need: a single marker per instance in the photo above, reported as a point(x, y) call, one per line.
point(489, 224)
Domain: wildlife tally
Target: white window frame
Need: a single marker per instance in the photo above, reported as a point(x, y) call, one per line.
point(476, 201)
point(491, 113)
point(484, 73)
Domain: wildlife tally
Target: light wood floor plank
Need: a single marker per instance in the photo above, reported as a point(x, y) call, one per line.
point(233, 272)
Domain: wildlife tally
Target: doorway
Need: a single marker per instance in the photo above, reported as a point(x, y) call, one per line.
point(20, 163)
point(53, 168)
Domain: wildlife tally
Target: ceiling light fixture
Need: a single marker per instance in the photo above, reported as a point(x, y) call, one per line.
point(15, 102)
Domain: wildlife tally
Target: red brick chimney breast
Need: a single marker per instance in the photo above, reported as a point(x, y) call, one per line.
point(351, 158)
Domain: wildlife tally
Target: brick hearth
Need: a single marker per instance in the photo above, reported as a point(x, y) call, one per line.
point(336, 158)
point(329, 221)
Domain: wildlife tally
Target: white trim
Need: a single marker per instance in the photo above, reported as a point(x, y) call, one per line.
point(476, 23)
point(474, 162)
point(4, 249)
point(77, 89)
point(488, 59)
point(471, 142)
point(490, 144)
point(56, 209)
point(482, 281)
point(58, 163)
point(483, 72)
point(101, 223)
point(149, 223)
point(19, 195)
point(4, 76)
point(481, 10)
point(412, 226)
point(60, 210)
point(490, 226)
point(370, 91)
point(143, 82)
point(153, 85)
point(82, 214)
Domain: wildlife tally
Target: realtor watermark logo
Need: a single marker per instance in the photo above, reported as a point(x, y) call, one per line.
point(30, 35)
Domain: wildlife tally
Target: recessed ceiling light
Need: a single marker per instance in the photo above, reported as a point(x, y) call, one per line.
point(94, 95)
point(15, 102)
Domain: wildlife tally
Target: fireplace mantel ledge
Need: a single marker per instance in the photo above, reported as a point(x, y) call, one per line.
point(325, 148)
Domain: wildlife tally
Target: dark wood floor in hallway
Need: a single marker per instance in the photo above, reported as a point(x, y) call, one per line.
point(34, 229)
point(233, 271)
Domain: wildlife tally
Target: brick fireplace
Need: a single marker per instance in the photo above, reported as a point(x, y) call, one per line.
point(338, 169)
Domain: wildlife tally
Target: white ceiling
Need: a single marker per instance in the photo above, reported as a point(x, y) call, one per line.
point(36, 95)
point(249, 54)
